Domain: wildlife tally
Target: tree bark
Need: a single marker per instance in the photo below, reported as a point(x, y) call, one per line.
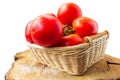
point(26, 67)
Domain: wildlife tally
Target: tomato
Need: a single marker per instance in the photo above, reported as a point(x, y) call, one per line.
point(28, 32)
point(46, 30)
point(85, 26)
point(70, 40)
point(67, 12)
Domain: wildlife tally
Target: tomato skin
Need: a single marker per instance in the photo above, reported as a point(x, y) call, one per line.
point(85, 26)
point(67, 12)
point(70, 40)
point(28, 32)
point(46, 30)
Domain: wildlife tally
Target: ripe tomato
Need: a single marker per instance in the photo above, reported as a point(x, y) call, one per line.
point(85, 26)
point(46, 30)
point(67, 12)
point(70, 40)
point(28, 32)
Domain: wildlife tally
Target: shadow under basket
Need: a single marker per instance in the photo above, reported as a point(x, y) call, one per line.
point(76, 59)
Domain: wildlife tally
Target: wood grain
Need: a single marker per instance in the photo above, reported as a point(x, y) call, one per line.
point(26, 67)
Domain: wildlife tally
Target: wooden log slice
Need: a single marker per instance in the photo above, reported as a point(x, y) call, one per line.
point(26, 67)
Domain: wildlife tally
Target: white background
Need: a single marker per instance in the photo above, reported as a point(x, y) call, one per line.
point(15, 14)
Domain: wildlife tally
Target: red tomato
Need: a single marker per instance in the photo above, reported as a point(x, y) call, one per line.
point(68, 12)
point(28, 32)
point(46, 30)
point(70, 40)
point(85, 26)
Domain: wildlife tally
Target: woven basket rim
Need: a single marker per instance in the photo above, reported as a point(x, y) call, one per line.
point(57, 48)
point(87, 44)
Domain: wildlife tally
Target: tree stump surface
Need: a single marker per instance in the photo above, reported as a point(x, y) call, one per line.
point(26, 67)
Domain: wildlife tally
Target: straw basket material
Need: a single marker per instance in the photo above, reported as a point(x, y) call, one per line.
point(76, 59)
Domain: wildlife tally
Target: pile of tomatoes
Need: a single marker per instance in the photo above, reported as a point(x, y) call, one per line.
point(67, 28)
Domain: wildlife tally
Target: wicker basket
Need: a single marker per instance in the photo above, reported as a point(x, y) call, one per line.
point(74, 60)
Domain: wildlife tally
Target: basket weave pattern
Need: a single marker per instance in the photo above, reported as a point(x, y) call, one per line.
point(73, 60)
